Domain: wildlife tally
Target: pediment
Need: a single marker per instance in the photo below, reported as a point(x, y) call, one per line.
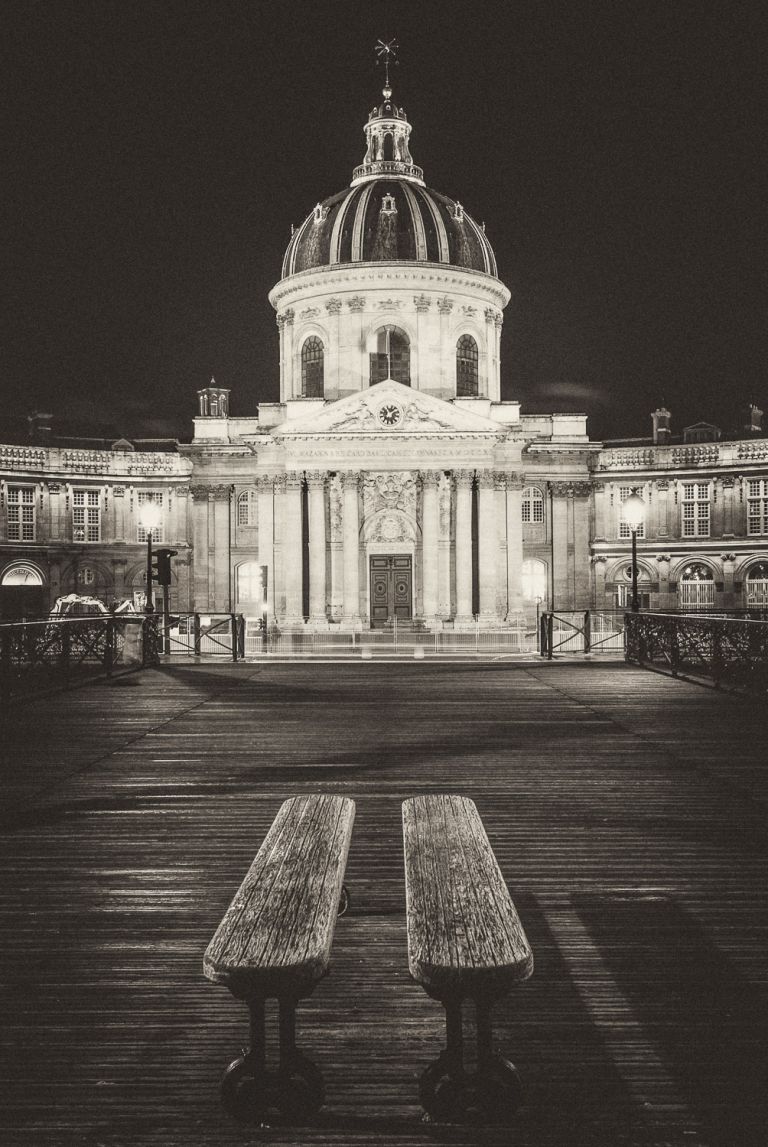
point(389, 407)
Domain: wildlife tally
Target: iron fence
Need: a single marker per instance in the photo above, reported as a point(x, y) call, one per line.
point(395, 640)
point(203, 634)
point(731, 652)
point(581, 631)
point(59, 652)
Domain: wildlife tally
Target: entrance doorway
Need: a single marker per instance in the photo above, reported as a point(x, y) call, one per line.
point(391, 589)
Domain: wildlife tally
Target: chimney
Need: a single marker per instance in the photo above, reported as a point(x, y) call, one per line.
point(39, 428)
point(751, 421)
point(662, 431)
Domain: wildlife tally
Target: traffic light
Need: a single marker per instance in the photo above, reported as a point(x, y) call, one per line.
point(161, 566)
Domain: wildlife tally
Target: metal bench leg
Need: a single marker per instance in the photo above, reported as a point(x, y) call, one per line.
point(300, 1090)
point(250, 1091)
point(245, 1088)
point(499, 1091)
point(442, 1086)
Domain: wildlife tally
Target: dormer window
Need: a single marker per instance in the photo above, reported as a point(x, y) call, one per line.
point(388, 205)
point(320, 213)
point(458, 212)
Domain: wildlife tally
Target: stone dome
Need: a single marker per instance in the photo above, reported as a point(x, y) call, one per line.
point(389, 219)
point(387, 214)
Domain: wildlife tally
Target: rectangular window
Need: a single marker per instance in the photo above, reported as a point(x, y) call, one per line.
point(155, 498)
point(624, 530)
point(757, 506)
point(695, 509)
point(86, 516)
point(21, 514)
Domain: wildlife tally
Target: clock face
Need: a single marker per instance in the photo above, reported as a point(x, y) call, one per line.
point(390, 414)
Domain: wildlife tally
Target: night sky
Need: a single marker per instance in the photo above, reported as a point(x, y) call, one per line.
point(156, 155)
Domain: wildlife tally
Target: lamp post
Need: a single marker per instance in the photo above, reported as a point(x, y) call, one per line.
point(634, 515)
point(149, 518)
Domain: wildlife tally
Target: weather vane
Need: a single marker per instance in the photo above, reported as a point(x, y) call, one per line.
point(386, 50)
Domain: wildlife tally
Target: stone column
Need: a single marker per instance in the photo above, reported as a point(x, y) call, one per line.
point(561, 596)
point(578, 546)
point(292, 556)
point(335, 497)
point(444, 558)
point(429, 544)
point(317, 559)
point(200, 596)
point(332, 372)
point(464, 480)
point(488, 544)
point(266, 537)
point(351, 549)
point(727, 486)
point(219, 548)
point(515, 484)
point(285, 326)
point(447, 351)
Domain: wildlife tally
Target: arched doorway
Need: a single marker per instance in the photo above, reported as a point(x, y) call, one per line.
point(696, 588)
point(756, 587)
point(534, 582)
point(22, 592)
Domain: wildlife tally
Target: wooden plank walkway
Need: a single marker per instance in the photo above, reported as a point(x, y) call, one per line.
point(627, 812)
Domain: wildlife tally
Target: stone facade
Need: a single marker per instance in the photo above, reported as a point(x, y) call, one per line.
point(390, 480)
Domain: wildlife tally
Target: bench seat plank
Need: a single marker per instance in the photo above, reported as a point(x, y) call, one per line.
point(275, 938)
point(464, 935)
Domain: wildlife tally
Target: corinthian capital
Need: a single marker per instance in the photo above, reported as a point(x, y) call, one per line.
point(485, 479)
point(464, 479)
point(316, 479)
point(430, 479)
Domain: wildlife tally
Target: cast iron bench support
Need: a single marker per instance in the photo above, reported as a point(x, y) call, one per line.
point(275, 943)
point(465, 944)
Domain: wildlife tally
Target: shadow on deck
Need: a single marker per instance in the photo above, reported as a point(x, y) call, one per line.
point(627, 812)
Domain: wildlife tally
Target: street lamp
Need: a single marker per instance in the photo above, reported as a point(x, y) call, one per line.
point(149, 518)
point(634, 515)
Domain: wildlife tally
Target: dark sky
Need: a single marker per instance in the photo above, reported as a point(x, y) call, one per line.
point(157, 154)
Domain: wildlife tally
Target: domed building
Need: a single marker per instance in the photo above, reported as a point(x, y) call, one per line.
point(388, 482)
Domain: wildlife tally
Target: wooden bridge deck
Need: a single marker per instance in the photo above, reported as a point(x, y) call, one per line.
point(627, 813)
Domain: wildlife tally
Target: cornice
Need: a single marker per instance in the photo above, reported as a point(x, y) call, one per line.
point(346, 276)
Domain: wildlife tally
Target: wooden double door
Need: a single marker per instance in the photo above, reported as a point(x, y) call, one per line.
point(391, 588)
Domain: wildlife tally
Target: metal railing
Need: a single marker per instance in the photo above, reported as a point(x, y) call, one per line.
point(203, 635)
point(581, 631)
point(396, 639)
point(60, 652)
point(730, 652)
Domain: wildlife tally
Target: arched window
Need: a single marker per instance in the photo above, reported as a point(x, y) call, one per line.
point(533, 580)
point(392, 358)
point(696, 589)
point(757, 586)
point(533, 504)
point(466, 367)
point(246, 508)
point(312, 368)
point(22, 575)
point(623, 596)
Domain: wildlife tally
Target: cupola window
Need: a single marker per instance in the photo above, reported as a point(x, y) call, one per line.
point(392, 357)
point(466, 367)
point(312, 367)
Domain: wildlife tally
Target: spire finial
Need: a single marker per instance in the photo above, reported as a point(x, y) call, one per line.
point(386, 50)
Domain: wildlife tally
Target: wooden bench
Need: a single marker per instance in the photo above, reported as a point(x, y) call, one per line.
point(275, 943)
point(465, 942)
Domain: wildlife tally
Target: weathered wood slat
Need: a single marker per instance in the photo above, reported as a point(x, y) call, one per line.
point(277, 933)
point(464, 934)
